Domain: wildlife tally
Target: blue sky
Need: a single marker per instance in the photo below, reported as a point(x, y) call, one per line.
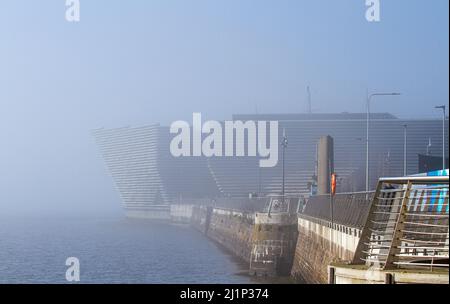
point(139, 61)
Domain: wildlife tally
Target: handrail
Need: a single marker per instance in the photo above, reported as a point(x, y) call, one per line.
point(405, 215)
point(426, 179)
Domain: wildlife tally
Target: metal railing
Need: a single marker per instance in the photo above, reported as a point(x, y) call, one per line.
point(407, 225)
point(348, 209)
point(282, 204)
point(275, 203)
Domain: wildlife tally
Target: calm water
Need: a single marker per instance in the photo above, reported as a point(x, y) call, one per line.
point(111, 251)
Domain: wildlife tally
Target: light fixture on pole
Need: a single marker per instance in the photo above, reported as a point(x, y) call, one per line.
point(369, 98)
point(284, 144)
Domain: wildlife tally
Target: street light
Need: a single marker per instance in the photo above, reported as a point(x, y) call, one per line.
point(369, 97)
point(405, 170)
point(284, 144)
point(443, 134)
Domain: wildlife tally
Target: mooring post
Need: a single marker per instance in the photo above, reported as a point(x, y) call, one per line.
point(331, 275)
point(388, 278)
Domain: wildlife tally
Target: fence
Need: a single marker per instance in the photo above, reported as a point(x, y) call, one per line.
point(348, 209)
point(407, 225)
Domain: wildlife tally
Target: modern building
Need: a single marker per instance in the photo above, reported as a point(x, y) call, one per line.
point(146, 174)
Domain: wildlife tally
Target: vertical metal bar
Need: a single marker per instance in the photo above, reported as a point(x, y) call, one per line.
point(398, 230)
point(443, 138)
point(270, 207)
point(405, 143)
point(367, 142)
point(331, 210)
point(282, 191)
point(366, 232)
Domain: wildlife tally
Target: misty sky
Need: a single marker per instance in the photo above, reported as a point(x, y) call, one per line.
point(142, 61)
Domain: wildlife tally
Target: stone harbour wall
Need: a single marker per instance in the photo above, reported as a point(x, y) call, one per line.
point(320, 244)
point(266, 243)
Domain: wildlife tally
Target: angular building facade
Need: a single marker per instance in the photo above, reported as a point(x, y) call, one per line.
point(147, 175)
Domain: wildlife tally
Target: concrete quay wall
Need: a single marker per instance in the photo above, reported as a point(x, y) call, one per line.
point(272, 245)
point(309, 249)
point(176, 213)
point(274, 240)
point(231, 229)
point(266, 243)
point(319, 244)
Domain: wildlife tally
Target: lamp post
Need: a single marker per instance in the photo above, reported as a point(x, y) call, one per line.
point(405, 142)
point(369, 98)
point(443, 134)
point(284, 144)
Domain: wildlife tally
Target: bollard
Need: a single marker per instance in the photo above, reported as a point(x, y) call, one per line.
point(331, 275)
point(388, 278)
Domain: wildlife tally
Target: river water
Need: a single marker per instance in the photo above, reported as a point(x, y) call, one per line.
point(112, 250)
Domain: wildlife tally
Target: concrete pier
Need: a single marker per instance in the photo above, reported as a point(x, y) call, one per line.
point(319, 244)
point(265, 241)
point(273, 244)
point(229, 228)
point(314, 245)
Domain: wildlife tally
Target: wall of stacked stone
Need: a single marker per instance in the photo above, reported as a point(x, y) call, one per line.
point(320, 244)
point(231, 229)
